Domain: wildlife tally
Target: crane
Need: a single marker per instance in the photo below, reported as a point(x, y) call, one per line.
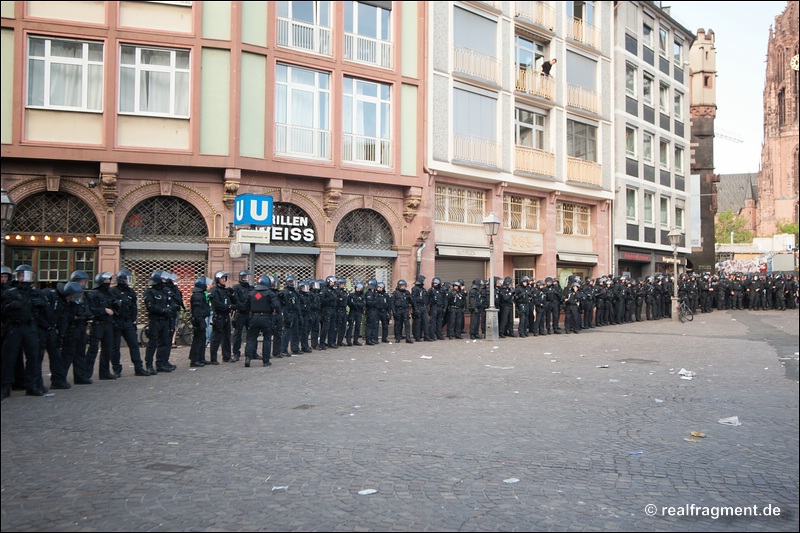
point(728, 135)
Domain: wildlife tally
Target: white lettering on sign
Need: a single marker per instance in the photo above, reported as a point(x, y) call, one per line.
point(281, 220)
point(259, 215)
point(295, 234)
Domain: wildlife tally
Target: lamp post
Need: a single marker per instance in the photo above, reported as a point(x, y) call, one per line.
point(491, 225)
point(6, 210)
point(674, 237)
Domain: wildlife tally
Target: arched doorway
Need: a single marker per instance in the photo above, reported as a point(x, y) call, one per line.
point(365, 247)
point(164, 233)
point(55, 233)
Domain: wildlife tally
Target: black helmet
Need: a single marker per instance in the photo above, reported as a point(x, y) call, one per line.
point(203, 283)
point(381, 285)
point(456, 284)
point(420, 280)
point(219, 274)
point(243, 275)
point(507, 281)
point(290, 281)
point(156, 278)
point(124, 277)
point(436, 281)
point(372, 283)
point(276, 282)
point(78, 275)
point(359, 286)
point(525, 279)
point(101, 278)
point(72, 288)
point(330, 279)
point(540, 283)
point(264, 282)
point(548, 279)
point(401, 283)
point(341, 281)
point(25, 274)
point(5, 270)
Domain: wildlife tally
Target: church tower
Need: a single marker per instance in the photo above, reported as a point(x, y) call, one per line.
point(777, 180)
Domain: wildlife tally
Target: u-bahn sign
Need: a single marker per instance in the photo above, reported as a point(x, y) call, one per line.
point(252, 210)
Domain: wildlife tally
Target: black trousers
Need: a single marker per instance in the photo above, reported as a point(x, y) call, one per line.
point(102, 338)
point(259, 325)
point(21, 338)
point(160, 341)
point(125, 330)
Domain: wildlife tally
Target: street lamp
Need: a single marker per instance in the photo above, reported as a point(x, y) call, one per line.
point(6, 210)
point(674, 237)
point(491, 225)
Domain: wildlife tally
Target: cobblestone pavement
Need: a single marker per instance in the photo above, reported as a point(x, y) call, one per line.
point(515, 435)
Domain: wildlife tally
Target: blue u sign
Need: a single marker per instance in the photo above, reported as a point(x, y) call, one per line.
point(252, 210)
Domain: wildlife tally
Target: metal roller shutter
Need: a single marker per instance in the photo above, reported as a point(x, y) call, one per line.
point(450, 270)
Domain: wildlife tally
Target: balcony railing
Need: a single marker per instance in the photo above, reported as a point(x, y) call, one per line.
point(533, 83)
point(535, 161)
point(583, 98)
point(584, 171)
point(476, 64)
point(369, 150)
point(585, 33)
point(538, 13)
point(475, 149)
point(297, 141)
point(367, 50)
point(303, 36)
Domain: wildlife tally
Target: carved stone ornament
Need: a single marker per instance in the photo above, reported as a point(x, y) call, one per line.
point(332, 197)
point(411, 205)
point(231, 187)
point(422, 237)
point(108, 184)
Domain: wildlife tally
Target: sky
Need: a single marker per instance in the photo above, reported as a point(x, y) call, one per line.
point(741, 33)
point(741, 30)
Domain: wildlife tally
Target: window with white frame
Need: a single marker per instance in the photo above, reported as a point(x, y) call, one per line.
point(368, 33)
point(664, 211)
point(154, 81)
point(572, 219)
point(529, 128)
point(583, 10)
point(647, 35)
point(630, 142)
point(367, 120)
point(647, 147)
point(65, 74)
point(581, 140)
point(678, 107)
point(679, 217)
point(630, 205)
point(647, 89)
point(663, 151)
point(459, 205)
point(677, 53)
point(302, 112)
point(662, 42)
point(527, 53)
point(631, 73)
point(679, 160)
point(663, 99)
point(648, 208)
point(520, 212)
point(305, 26)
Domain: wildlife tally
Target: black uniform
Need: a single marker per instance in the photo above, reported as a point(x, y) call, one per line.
point(201, 310)
point(262, 304)
point(221, 322)
point(20, 304)
point(158, 314)
point(125, 328)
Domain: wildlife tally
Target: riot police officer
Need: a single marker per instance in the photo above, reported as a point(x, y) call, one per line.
point(103, 306)
point(402, 306)
point(158, 314)
point(125, 325)
point(262, 305)
point(221, 324)
point(201, 310)
point(437, 302)
point(241, 292)
point(355, 304)
point(21, 303)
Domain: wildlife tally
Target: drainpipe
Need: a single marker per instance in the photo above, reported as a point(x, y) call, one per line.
point(419, 257)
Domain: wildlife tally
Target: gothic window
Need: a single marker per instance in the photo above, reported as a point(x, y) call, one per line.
point(164, 219)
